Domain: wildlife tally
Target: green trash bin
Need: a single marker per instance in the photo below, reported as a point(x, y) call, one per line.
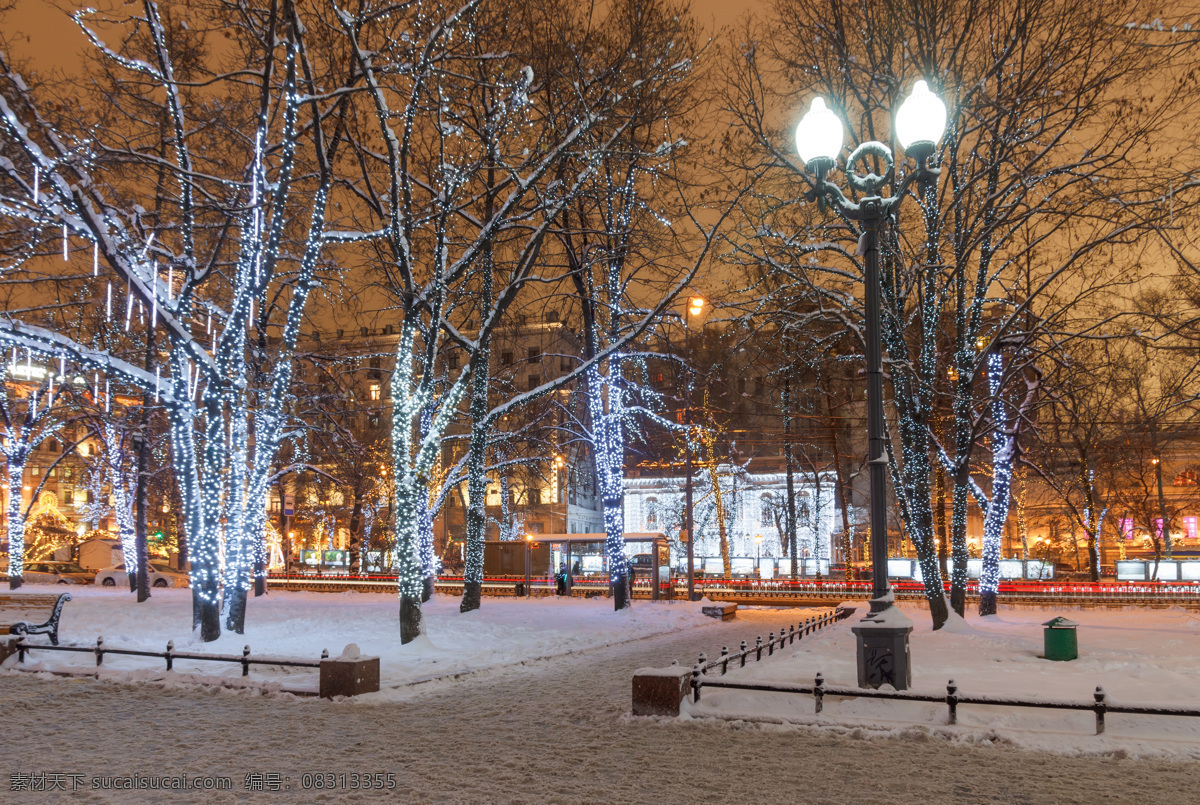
point(1060, 640)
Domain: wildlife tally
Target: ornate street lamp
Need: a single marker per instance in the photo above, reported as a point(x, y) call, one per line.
point(919, 124)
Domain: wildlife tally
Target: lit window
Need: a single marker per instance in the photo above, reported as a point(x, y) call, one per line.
point(376, 390)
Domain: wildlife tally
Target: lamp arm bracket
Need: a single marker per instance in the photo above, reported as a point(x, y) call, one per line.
point(823, 188)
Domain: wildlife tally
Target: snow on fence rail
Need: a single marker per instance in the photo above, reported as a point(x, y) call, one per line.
point(170, 655)
point(348, 675)
point(659, 691)
point(807, 626)
point(1100, 705)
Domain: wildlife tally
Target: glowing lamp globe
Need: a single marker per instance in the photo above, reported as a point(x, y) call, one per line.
point(819, 134)
point(921, 119)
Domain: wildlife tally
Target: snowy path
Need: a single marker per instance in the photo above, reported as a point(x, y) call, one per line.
point(554, 731)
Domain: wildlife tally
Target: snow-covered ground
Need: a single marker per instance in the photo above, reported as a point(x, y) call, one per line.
point(556, 731)
point(298, 625)
point(1138, 656)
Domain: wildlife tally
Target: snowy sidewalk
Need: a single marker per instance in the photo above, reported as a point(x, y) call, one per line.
point(552, 732)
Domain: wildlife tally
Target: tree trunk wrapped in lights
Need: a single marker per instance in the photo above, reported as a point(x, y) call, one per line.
point(26, 421)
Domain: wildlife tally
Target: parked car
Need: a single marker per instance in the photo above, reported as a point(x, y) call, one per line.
point(56, 573)
point(160, 576)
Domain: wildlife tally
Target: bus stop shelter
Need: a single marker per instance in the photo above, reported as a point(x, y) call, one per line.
point(581, 558)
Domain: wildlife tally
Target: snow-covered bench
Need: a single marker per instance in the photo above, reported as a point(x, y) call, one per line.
point(724, 610)
point(23, 613)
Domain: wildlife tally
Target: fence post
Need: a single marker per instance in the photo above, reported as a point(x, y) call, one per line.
point(758, 647)
point(703, 663)
point(21, 649)
point(325, 656)
point(168, 655)
point(792, 633)
point(99, 650)
point(695, 683)
point(246, 661)
point(743, 653)
point(771, 644)
point(819, 692)
point(724, 660)
point(1101, 708)
point(952, 700)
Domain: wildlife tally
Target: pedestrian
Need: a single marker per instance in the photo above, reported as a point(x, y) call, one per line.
point(560, 579)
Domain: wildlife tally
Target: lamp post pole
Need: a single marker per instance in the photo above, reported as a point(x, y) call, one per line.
point(687, 495)
point(695, 306)
point(882, 636)
point(876, 452)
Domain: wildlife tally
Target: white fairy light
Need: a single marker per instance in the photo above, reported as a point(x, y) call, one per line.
point(95, 259)
point(64, 241)
point(108, 303)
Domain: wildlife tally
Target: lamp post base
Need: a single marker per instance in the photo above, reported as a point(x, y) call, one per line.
point(882, 635)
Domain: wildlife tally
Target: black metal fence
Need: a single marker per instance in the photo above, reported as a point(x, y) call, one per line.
point(1100, 705)
point(170, 655)
point(787, 635)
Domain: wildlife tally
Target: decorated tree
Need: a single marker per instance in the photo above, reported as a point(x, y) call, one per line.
point(225, 247)
point(28, 416)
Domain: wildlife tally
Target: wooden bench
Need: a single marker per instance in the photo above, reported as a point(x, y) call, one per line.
point(20, 613)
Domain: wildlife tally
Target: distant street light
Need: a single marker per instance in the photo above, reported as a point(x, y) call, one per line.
point(919, 123)
point(695, 308)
